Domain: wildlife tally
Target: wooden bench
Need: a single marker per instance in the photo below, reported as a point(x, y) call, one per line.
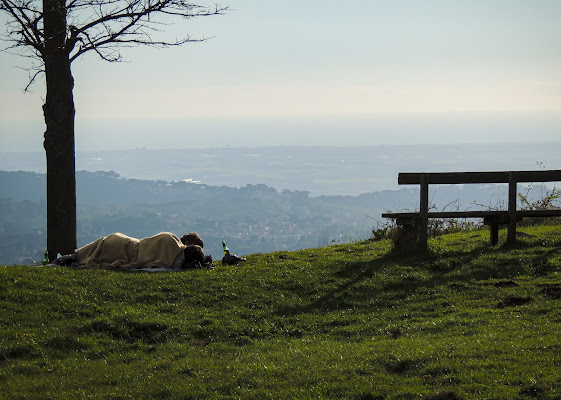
point(492, 218)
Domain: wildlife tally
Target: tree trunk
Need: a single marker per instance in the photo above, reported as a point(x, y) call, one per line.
point(59, 135)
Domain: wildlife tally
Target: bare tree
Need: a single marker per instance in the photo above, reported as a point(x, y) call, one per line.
point(55, 33)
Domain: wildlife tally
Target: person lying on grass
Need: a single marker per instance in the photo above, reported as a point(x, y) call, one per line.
point(164, 250)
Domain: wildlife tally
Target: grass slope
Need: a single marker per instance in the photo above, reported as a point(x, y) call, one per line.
point(344, 322)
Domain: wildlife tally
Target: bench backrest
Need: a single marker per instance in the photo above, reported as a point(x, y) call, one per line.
point(414, 178)
point(424, 179)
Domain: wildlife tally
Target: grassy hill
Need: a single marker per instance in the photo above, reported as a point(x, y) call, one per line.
point(352, 321)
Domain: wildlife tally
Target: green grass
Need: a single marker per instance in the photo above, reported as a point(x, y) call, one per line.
point(353, 321)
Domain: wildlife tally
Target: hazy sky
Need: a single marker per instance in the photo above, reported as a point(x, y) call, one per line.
point(330, 72)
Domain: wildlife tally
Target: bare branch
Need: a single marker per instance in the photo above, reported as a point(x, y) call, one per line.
point(102, 26)
point(38, 71)
point(132, 23)
point(23, 28)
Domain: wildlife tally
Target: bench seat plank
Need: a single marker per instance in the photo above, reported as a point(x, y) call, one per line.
point(476, 214)
point(448, 214)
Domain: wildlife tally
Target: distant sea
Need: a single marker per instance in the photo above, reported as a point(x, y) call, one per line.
point(320, 170)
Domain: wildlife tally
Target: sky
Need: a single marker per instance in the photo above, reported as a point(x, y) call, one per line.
point(316, 72)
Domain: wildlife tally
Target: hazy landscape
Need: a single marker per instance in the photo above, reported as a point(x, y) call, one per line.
point(257, 199)
point(320, 170)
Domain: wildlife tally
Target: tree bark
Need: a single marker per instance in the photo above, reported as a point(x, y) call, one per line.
point(59, 146)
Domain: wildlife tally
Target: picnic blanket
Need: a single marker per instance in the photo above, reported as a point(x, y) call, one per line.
point(117, 250)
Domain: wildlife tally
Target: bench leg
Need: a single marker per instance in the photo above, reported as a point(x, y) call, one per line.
point(407, 237)
point(423, 213)
point(494, 228)
point(511, 233)
point(424, 234)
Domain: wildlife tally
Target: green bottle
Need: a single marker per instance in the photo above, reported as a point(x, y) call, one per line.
point(225, 248)
point(45, 258)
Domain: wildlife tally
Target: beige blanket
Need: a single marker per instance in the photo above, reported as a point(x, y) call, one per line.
point(121, 251)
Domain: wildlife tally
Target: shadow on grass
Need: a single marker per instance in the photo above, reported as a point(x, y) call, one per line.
point(21, 352)
point(450, 270)
point(130, 330)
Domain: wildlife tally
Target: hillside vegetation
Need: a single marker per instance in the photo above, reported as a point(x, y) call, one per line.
point(352, 321)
